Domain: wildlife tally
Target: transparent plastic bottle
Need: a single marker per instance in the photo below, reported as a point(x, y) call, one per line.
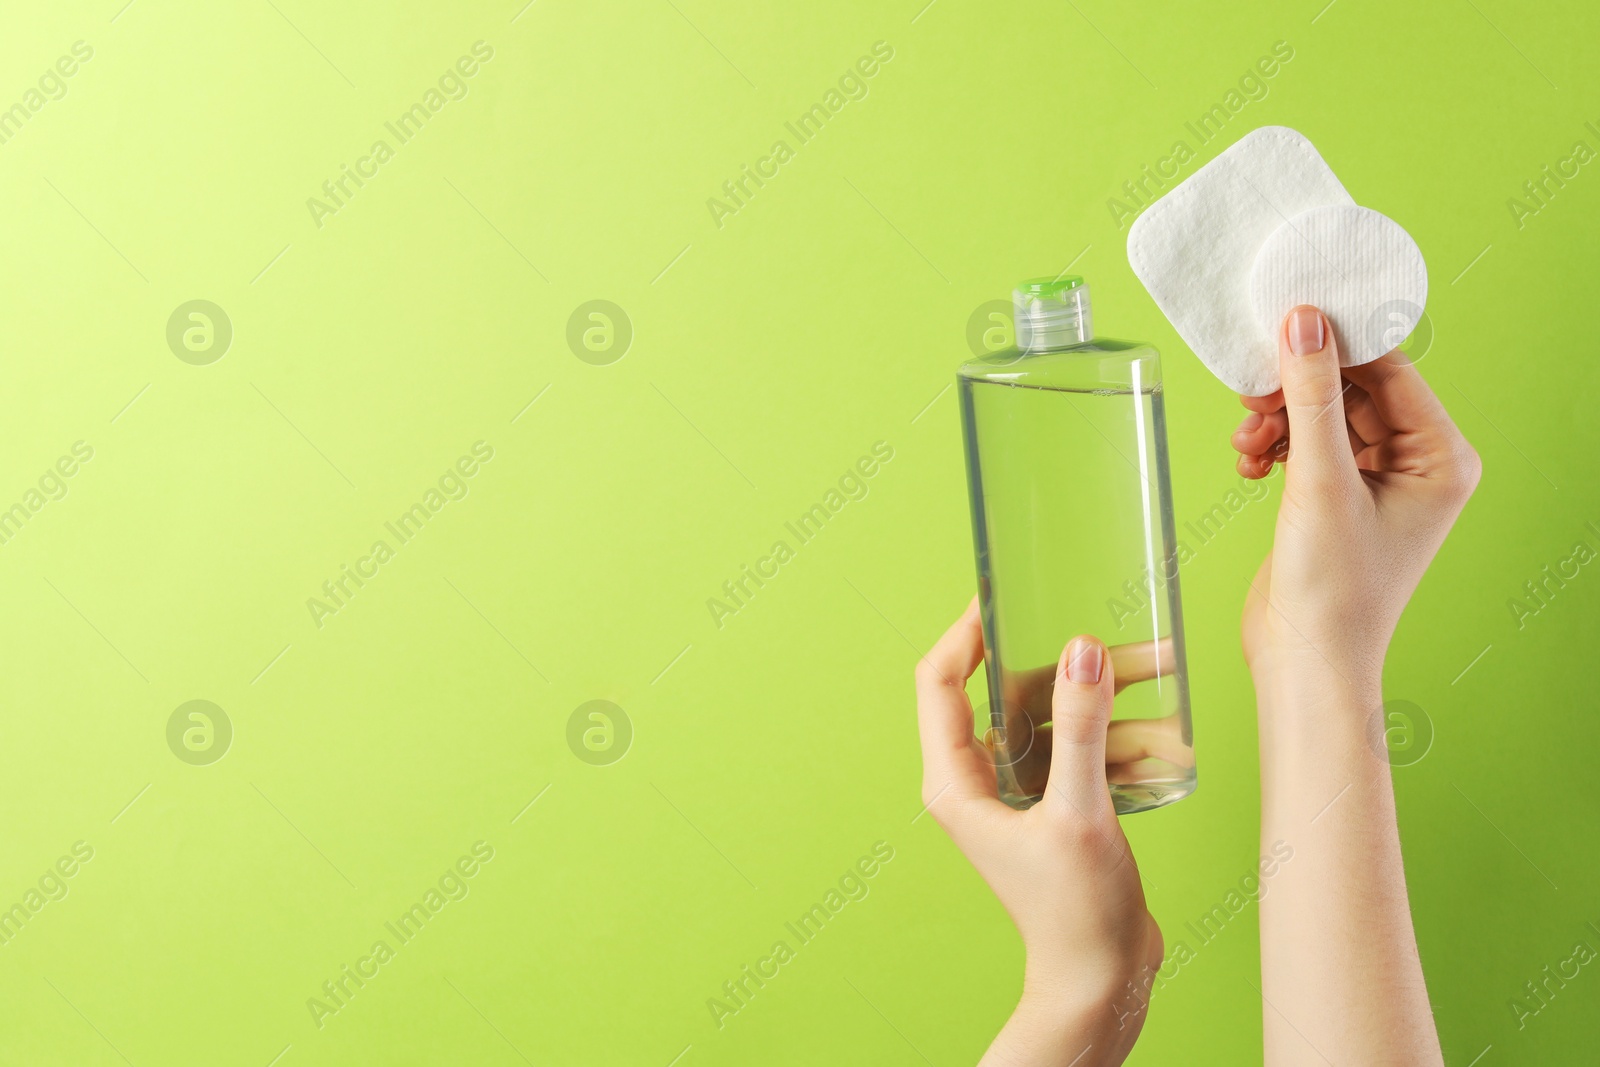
point(1066, 450)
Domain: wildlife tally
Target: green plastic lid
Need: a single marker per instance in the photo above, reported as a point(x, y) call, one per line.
point(1046, 288)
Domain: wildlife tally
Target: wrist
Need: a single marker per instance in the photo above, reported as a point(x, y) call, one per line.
point(1084, 1023)
point(1309, 694)
point(1067, 998)
point(1322, 732)
point(1314, 712)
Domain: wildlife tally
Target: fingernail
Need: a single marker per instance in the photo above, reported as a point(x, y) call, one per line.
point(1305, 331)
point(1083, 661)
point(1251, 421)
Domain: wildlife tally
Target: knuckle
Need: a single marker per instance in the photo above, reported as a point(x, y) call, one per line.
point(1472, 466)
point(1388, 368)
point(1315, 389)
point(1083, 731)
point(1079, 830)
point(1463, 467)
point(1077, 728)
point(1314, 405)
point(1078, 834)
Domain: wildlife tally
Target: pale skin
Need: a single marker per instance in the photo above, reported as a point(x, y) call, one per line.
point(1368, 499)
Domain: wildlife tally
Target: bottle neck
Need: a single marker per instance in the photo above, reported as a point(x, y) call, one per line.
point(1061, 321)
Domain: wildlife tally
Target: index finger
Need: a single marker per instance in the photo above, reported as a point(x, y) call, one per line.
point(1266, 405)
point(1142, 661)
point(1400, 394)
point(952, 761)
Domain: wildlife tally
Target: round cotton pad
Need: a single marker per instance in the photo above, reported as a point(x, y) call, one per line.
point(1358, 266)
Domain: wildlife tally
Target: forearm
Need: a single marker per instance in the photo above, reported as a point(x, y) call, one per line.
point(1045, 1031)
point(1340, 972)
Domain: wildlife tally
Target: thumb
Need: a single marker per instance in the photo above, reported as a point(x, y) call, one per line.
point(1080, 710)
point(1313, 397)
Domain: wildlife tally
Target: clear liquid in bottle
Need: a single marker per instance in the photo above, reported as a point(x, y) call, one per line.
point(1067, 470)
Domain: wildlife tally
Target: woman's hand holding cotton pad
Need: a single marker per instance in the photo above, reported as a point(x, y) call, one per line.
point(1260, 229)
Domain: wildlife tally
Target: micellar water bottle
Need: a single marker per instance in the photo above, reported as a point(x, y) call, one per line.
point(1066, 450)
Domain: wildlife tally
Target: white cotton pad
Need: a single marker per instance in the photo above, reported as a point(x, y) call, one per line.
point(1195, 247)
point(1359, 267)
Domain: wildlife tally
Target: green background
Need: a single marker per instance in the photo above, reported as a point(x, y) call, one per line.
point(768, 354)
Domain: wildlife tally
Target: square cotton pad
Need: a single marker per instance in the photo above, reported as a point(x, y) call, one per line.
point(1195, 248)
